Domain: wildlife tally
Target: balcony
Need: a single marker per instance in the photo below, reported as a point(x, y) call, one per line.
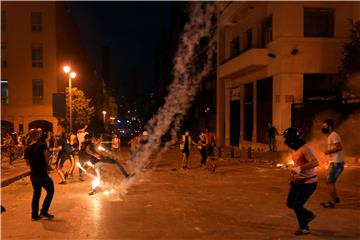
point(248, 60)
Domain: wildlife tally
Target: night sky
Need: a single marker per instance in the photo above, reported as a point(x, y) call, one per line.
point(132, 30)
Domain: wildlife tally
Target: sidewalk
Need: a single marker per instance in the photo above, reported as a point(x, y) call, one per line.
point(10, 174)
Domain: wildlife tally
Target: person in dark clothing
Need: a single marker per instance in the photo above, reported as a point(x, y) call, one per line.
point(37, 157)
point(303, 179)
point(271, 133)
point(64, 154)
point(185, 145)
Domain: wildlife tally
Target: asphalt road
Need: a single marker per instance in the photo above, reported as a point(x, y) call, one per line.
point(242, 200)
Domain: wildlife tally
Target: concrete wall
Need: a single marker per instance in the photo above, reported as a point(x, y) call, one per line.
point(315, 55)
point(19, 71)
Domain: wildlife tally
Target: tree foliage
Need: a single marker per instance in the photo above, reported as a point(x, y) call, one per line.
point(351, 61)
point(82, 110)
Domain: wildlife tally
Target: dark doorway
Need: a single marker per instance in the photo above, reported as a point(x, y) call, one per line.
point(44, 125)
point(264, 108)
point(248, 111)
point(234, 122)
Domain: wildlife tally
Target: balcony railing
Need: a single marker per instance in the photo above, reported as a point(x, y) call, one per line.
point(242, 51)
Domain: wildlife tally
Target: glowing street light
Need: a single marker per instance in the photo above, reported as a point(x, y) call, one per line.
point(66, 69)
point(112, 120)
point(72, 75)
point(104, 115)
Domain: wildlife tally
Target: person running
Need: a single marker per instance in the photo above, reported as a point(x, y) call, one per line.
point(64, 154)
point(335, 155)
point(74, 156)
point(185, 144)
point(81, 138)
point(303, 180)
point(205, 160)
point(88, 152)
point(36, 156)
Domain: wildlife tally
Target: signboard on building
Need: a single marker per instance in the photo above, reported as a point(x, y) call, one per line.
point(59, 105)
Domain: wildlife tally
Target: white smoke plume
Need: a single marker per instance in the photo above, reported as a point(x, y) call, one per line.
point(184, 86)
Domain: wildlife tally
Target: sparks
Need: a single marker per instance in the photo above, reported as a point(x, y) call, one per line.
point(95, 183)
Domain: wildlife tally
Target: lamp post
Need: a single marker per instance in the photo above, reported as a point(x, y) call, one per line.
point(104, 114)
point(72, 75)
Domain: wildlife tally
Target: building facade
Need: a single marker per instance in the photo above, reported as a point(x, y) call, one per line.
point(272, 55)
point(37, 40)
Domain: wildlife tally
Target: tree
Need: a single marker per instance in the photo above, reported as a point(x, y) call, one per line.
point(82, 111)
point(350, 64)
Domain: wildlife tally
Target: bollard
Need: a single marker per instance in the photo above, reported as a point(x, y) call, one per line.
point(249, 153)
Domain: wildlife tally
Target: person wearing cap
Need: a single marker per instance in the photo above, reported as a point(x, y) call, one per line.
point(303, 179)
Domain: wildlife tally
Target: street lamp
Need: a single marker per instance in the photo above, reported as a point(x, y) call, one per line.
point(112, 120)
point(72, 75)
point(104, 113)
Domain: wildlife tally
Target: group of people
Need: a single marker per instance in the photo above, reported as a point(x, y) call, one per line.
point(13, 145)
point(205, 143)
point(303, 181)
point(82, 148)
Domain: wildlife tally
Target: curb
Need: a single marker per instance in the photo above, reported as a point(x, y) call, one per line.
point(14, 178)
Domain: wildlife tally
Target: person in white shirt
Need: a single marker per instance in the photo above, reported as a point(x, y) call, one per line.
point(115, 143)
point(81, 139)
point(335, 155)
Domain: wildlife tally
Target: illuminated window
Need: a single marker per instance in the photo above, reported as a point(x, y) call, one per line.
point(37, 91)
point(3, 55)
point(3, 21)
point(4, 92)
point(318, 22)
point(37, 55)
point(36, 22)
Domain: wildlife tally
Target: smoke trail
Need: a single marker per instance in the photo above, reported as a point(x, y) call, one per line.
point(184, 86)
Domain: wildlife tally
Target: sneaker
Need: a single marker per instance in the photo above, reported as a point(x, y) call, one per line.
point(302, 231)
point(91, 192)
point(62, 182)
point(131, 175)
point(36, 218)
point(47, 215)
point(328, 205)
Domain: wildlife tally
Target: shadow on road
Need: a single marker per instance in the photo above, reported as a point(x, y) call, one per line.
point(57, 225)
